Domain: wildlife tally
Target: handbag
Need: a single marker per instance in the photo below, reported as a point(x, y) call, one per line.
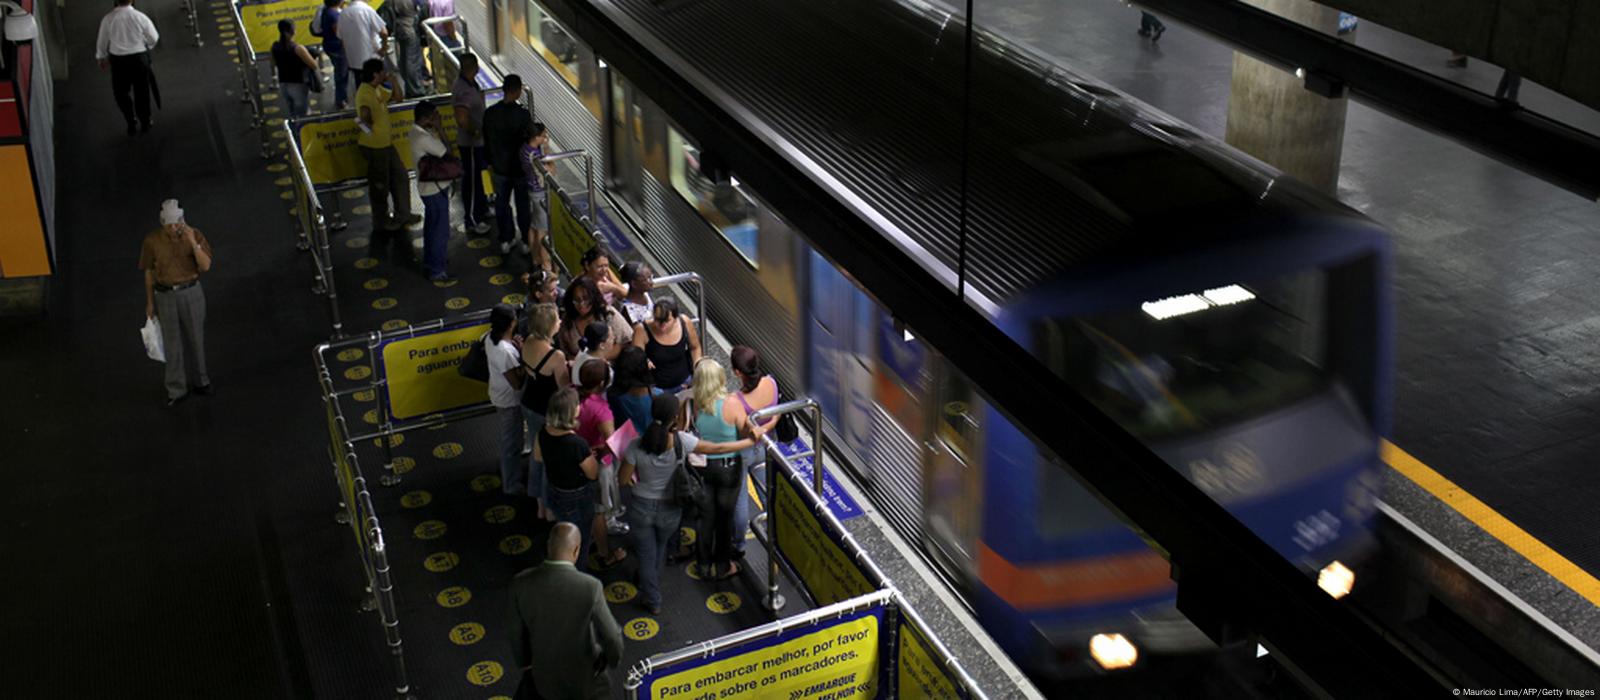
point(439, 168)
point(476, 364)
point(688, 489)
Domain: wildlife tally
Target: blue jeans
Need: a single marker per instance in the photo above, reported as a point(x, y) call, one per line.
point(652, 522)
point(741, 513)
point(435, 232)
point(341, 69)
point(296, 99)
point(506, 191)
point(513, 471)
point(575, 506)
point(538, 487)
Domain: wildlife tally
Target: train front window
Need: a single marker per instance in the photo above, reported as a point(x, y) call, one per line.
point(553, 42)
point(1182, 365)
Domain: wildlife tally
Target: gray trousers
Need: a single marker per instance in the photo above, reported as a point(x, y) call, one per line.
point(183, 331)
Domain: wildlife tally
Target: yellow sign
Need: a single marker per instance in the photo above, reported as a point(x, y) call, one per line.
point(261, 22)
point(330, 152)
point(347, 474)
point(919, 676)
point(828, 573)
point(567, 234)
point(835, 662)
point(422, 373)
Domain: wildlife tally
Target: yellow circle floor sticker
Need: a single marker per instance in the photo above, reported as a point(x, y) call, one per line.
point(641, 628)
point(351, 354)
point(621, 592)
point(395, 324)
point(513, 299)
point(361, 209)
point(358, 373)
point(687, 535)
point(358, 243)
point(366, 263)
point(385, 303)
point(723, 603)
point(499, 514)
point(477, 243)
point(365, 395)
point(375, 283)
point(416, 499)
point(371, 416)
point(484, 673)
point(489, 261)
point(284, 181)
point(430, 529)
point(404, 465)
point(516, 544)
point(440, 562)
point(457, 303)
point(500, 279)
point(485, 483)
point(395, 440)
point(277, 167)
point(466, 633)
point(286, 195)
point(446, 284)
point(447, 450)
point(693, 570)
point(454, 596)
point(356, 193)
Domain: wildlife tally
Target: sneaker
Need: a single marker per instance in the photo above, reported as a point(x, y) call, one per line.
point(505, 247)
point(481, 227)
point(447, 277)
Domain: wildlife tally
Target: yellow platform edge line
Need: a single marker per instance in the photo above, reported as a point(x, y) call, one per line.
point(1530, 547)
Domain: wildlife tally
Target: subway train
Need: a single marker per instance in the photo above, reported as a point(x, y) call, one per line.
point(1253, 352)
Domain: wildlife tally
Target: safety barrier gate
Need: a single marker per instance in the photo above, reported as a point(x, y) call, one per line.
point(865, 641)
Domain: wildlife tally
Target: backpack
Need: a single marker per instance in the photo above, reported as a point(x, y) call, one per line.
point(316, 22)
point(688, 489)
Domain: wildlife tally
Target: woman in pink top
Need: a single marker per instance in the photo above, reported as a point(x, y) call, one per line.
point(595, 425)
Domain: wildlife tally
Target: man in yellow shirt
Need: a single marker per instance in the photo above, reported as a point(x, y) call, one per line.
point(386, 173)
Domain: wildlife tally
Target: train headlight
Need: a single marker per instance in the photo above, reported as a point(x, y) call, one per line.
point(1112, 651)
point(1337, 579)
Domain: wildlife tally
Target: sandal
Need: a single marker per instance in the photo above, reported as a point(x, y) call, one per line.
point(733, 570)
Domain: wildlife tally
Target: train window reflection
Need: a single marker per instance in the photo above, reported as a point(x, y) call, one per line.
point(724, 205)
point(1180, 375)
point(552, 41)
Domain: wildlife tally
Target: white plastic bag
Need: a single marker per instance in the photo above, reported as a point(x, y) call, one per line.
point(152, 340)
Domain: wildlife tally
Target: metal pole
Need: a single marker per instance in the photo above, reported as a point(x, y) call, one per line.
point(774, 598)
point(700, 298)
point(380, 390)
point(815, 453)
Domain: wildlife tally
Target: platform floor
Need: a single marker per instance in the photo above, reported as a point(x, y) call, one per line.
point(1498, 381)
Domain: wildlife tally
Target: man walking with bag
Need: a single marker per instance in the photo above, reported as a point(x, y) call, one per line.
point(173, 258)
point(126, 37)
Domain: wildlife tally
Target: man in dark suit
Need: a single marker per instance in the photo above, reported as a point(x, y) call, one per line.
point(564, 634)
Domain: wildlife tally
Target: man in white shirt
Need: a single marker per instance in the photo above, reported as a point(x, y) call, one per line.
point(362, 32)
point(126, 37)
point(425, 142)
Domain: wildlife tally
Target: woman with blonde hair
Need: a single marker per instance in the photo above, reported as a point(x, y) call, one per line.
point(545, 367)
point(718, 419)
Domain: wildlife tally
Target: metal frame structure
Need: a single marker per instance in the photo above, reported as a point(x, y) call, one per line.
point(313, 233)
point(250, 77)
point(1538, 145)
point(1228, 579)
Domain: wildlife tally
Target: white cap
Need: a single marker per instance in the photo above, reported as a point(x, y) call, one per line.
point(170, 213)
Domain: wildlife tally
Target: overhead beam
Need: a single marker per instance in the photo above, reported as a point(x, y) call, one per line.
point(1537, 145)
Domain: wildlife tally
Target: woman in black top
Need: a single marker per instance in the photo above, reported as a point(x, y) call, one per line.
point(546, 370)
point(569, 465)
point(672, 345)
point(296, 70)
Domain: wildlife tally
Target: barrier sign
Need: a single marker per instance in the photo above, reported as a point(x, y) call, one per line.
point(821, 563)
point(830, 660)
point(918, 676)
point(421, 372)
point(347, 474)
point(328, 146)
point(839, 503)
point(260, 21)
point(567, 234)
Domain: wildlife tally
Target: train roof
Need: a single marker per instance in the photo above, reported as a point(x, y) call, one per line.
point(1063, 171)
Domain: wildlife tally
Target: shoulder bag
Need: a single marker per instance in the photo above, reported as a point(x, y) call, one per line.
point(687, 487)
point(476, 364)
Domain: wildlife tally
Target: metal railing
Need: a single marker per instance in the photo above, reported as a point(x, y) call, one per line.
point(815, 451)
point(250, 78)
point(313, 234)
point(699, 298)
point(191, 17)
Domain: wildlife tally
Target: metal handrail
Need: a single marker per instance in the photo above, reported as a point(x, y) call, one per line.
point(316, 235)
point(816, 423)
point(699, 299)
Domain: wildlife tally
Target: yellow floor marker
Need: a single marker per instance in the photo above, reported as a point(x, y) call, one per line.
point(404, 465)
point(416, 499)
point(723, 602)
point(515, 544)
point(641, 628)
point(1542, 556)
point(466, 633)
point(440, 562)
point(621, 592)
point(485, 673)
point(453, 597)
point(499, 514)
point(430, 529)
point(448, 450)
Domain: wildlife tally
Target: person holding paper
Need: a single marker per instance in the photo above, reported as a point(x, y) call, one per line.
point(595, 425)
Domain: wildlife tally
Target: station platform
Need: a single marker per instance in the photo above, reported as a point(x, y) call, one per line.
point(1496, 376)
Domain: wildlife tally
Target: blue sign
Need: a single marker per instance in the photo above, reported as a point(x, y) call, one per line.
point(904, 357)
point(1347, 23)
point(839, 503)
point(610, 233)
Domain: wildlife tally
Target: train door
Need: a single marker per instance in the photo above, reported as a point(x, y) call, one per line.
point(624, 139)
point(841, 331)
point(952, 484)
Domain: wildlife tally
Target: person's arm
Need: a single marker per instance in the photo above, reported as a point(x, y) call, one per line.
point(694, 341)
point(706, 447)
point(202, 248)
point(151, 36)
point(590, 467)
point(305, 57)
point(625, 474)
point(102, 45)
point(638, 335)
point(514, 373)
point(562, 375)
point(364, 115)
point(606, 630)
point(149, 293)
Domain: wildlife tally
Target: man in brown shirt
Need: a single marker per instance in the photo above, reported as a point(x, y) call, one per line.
point(172, 258)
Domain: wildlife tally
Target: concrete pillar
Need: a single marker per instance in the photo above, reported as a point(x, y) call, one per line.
point(1273, 117)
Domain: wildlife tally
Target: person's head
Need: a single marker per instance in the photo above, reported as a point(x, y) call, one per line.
point(426, 115)
point(592, 376)
point(171, 216)
point(665, 311)
point(512, 87)
point(638, 277)
point(710, 384)
point(286, 29)
point(562, 413)
point(583, 300)
point(543, 322)
point(596, 261)
point(124, 3)
point(469, 63)
point(372, 71)
point(565, 540)
point(544, 286)
point(502, 320)
point(596, 338)
point(633, 369)
point(536, 134)
point(332, 4)
point(664, 413)
point(746, 364)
